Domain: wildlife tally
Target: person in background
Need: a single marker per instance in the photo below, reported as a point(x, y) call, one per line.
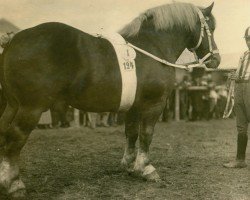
point(103, 119)
point(94, 120)
point(222, 101)
point(59, 114)
point(184, 98)
point(212, 97)
point(242, 105)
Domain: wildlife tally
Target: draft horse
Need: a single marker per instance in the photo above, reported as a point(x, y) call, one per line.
point(54, 61)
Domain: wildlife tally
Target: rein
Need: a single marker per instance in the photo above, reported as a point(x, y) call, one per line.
point(230, 100)
point(199, 62)
point(184, 66)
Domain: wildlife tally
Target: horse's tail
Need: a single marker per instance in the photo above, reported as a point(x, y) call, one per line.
point(3, 99)
point(4, 43)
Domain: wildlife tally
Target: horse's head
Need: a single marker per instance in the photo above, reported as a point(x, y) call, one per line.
point(202, 42)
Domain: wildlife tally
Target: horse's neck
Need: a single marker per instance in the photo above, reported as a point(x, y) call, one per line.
point(168, 46)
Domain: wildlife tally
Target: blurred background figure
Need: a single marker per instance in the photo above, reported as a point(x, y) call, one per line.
point(184, 97)
point(93, 120)
point(212, 97)
point(59, 115)
point(222, 100)
point(102, 119)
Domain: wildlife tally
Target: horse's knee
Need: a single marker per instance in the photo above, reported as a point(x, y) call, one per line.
point(148, 131)
point(146, 136)
point(16, 138)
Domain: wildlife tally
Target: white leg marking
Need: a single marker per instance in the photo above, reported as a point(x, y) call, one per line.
point(16, 185)
point(140, 161)
point(7, 173)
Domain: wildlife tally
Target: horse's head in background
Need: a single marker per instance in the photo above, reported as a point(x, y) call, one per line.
point(202, 42)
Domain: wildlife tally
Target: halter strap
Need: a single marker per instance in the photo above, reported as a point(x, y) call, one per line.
point(204, 27)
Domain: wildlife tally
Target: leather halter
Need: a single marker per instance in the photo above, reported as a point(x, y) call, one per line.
point(204, 27)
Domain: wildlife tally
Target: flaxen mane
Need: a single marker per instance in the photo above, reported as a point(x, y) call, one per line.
point(164, 17)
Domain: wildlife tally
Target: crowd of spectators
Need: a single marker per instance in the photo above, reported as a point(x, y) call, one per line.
point(200, 97)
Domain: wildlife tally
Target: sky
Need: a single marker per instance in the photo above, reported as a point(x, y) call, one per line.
point(233, 16)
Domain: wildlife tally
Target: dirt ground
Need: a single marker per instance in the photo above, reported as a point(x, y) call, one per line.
point(76, 164)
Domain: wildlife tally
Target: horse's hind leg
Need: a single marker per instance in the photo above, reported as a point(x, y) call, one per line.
point(5, 120)
point(17, 134)
point(132, 126)
point(142, 164)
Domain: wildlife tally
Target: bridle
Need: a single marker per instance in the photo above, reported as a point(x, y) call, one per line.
point(204, 27)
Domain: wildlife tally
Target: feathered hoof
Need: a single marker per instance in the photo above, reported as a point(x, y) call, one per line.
point(17, 190)
point(154, 177)
point(19, 195)
point(150, 174)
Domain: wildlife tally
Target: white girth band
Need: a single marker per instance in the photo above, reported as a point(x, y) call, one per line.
point(126, 59)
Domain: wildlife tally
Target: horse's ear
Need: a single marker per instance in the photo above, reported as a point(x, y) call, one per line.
point(208, 10)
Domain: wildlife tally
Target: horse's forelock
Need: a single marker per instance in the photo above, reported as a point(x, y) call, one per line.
point(133, 28)
point(183, 15)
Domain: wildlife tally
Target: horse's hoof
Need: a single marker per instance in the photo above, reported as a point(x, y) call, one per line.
point(19, 195)
point(154, 177)
point(17, 190)
point(150, 174)
point(128, 167)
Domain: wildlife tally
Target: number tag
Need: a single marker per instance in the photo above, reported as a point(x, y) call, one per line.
point(128, 65)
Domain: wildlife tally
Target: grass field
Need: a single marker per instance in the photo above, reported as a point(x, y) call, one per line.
point(75, 164)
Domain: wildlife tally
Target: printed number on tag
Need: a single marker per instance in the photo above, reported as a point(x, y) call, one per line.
point(128, 65)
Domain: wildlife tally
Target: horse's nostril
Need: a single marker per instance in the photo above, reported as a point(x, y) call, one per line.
point(214, 62)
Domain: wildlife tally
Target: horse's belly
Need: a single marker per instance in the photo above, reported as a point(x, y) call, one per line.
point(97, 98)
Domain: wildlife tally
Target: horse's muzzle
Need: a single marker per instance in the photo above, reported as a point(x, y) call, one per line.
point(214, 61)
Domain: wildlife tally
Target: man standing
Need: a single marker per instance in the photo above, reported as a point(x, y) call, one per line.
point(242, 105)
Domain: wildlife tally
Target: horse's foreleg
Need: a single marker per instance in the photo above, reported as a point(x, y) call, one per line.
point(142, 163)
point(16, 136)
point(132, 125)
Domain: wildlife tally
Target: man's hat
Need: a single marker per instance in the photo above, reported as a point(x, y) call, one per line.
point(247, 33)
